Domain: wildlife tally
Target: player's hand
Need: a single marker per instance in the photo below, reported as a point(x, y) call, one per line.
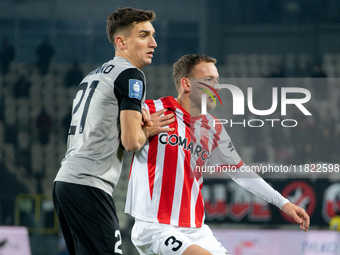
point(146, 118)
point(159, 123)
point(298, 214)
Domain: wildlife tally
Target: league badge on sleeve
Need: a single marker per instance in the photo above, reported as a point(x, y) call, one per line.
point(135, 89)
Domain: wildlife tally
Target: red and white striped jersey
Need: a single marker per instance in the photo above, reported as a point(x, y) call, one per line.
point(165, 179)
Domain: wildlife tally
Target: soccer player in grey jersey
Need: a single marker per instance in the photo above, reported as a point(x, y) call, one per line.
point(106, 117)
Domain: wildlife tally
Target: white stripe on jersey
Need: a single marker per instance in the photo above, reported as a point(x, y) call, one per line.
point(159, 165)
point(194, 196)
point(176, 205)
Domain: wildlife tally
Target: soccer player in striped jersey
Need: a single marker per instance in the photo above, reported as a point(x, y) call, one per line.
point(106, 114)
point(164, 191)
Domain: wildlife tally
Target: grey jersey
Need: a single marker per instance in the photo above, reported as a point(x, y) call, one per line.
point(94, 152)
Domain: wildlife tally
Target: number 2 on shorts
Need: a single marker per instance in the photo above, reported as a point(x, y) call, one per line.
point(118, 243)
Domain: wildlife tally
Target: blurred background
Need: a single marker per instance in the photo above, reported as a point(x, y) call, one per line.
point(48, 46)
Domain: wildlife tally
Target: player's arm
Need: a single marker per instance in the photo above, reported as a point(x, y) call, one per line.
point(129, 89)
point(133, 137)
point(135, 129)
point(251, 181)
point(256, 185)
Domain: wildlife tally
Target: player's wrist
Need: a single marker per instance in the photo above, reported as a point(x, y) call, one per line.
point(146, 132)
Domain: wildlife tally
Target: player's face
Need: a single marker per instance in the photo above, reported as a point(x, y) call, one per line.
point(140, 44)
point(203, 73)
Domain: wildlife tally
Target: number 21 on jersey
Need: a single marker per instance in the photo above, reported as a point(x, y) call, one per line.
point(83, 107)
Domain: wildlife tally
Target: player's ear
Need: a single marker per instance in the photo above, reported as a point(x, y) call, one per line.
point(120, 42)
point(185, 83)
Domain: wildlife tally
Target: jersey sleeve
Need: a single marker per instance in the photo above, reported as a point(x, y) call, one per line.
point(129, 89)
point(255, 184)
point(224, 153)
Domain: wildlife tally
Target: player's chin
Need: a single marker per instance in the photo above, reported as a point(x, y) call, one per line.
point(148, 61)
point(211, 106)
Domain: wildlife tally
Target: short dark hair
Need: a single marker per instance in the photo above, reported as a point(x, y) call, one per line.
point(186, 64)
point(123, 18)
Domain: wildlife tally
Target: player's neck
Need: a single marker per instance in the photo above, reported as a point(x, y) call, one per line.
point(184, 101)
point(123, 55)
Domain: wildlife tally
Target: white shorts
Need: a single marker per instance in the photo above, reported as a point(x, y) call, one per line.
point(156, 238)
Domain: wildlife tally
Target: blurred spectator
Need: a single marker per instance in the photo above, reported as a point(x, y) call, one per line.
point(330, 123)
point(318, 72)
point(7, 54)
point(302, 135)
point(320, 83)
point(23, 158)
point(283, 155)
point(23, 151)
point(326, 145)
point(2, 107)
point(313, 120)
point(44, 125)
point(337, 148)
point(305, 154)
point(310, 126)
point(252, 134)
point(279, 82)
point(44, 52)
point(21, 87)
point(260, 154)
point(276, 133)
point(277, 72)
point(11, 133)
point(73, 76)
point(309, 154)
point(10, 187)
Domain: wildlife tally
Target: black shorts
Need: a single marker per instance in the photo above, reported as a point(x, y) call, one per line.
point(87, 218)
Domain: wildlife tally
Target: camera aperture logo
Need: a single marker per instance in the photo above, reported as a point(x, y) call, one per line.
point(239, 103)
point(204, 108)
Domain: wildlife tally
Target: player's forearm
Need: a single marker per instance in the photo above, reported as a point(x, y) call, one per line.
point(133, 136)
point(134, 141)
point(256, 185)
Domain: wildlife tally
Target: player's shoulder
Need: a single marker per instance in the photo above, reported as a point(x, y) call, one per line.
point(162, 102)
point(153, 102)
point(118, 69)
point(125, 69)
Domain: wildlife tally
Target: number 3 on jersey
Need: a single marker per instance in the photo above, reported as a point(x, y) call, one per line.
point(85, 107)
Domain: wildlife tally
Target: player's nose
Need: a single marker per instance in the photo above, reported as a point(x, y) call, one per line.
point(153, 43)
point(217, 88)
point(216, 82)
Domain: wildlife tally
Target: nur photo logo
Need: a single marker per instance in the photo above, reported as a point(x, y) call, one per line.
point(299, 97)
